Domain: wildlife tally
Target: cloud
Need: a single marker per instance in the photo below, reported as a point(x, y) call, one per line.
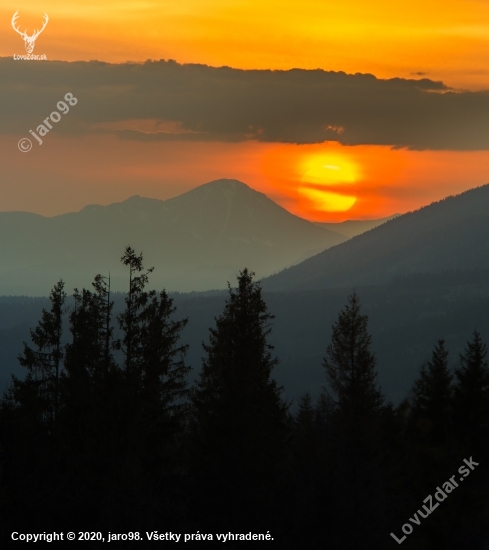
point(223, 104)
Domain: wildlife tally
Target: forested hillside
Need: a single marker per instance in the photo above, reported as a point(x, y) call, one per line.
point(107, 431)
point(447, 235)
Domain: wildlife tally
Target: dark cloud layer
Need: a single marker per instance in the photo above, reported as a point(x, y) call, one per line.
point(296, 106)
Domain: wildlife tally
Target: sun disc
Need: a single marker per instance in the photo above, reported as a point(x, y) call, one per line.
point(327, 201)
point(330, 170)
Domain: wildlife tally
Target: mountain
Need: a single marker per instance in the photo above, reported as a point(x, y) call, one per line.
point(196, 241)
point(352, 228)
point(451, 234)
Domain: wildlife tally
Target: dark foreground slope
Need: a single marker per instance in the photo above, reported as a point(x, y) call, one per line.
point(196, 241)
point(447, 235)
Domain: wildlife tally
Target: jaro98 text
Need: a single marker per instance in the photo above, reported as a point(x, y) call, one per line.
point(44, 128)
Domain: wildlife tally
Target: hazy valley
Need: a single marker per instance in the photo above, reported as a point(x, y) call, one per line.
point(420, 276)
point(196, 241)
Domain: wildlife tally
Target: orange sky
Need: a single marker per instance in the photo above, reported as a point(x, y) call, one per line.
point(444, 40)
point(66, 174)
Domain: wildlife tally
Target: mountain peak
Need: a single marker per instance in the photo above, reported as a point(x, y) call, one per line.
point(226, 182)
point(198, 240)
point(225, 185)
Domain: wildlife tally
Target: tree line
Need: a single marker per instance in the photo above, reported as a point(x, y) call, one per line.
point(105, 433)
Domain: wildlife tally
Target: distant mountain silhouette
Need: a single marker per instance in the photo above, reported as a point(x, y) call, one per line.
point(447, 235)
point(196, 241)
point(351, 228)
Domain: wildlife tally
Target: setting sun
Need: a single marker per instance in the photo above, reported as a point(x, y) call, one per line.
point(330, 169)
point(327, 201)
point(324, 171)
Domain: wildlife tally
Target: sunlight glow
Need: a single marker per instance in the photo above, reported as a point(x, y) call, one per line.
point(330, 169)
point(327, 201)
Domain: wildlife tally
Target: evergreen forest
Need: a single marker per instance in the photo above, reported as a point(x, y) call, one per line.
point(105, 432)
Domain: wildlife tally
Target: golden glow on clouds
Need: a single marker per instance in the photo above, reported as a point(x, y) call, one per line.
point(446, 39)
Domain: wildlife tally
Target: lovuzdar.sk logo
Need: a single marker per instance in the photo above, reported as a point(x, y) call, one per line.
point(29, 41)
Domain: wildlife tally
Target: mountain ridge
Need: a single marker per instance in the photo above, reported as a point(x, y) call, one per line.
point(351, 228)
point(444, 235)
point(197, 241)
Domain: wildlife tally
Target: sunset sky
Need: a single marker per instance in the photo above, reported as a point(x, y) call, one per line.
point(387, 111)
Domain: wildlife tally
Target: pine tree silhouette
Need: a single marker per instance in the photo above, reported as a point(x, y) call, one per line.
point(41, 386)
point(30, 415)
point(432, 398)
point(90, 388)
point(350, 365)
point(240, 421)
point(358, 478)
point(153, 397)
point(471, 397)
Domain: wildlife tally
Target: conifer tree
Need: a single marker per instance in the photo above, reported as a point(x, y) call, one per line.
point(164, 373)
point(471, 423)
point(430, 426)
point(115, 458)
point(40, 389)
point(89, 356)
point(90, 385)
point(241, 420)
point(350, 365)
point(30, 414)
point(308, 462)
point(153, 397)
point(356, 447)
point(306, 443)
point(471, 396)
point(154, 364)
point(135, 300)
point(432, 398)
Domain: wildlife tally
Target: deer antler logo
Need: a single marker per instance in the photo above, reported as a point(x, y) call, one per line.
point(30, 41)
